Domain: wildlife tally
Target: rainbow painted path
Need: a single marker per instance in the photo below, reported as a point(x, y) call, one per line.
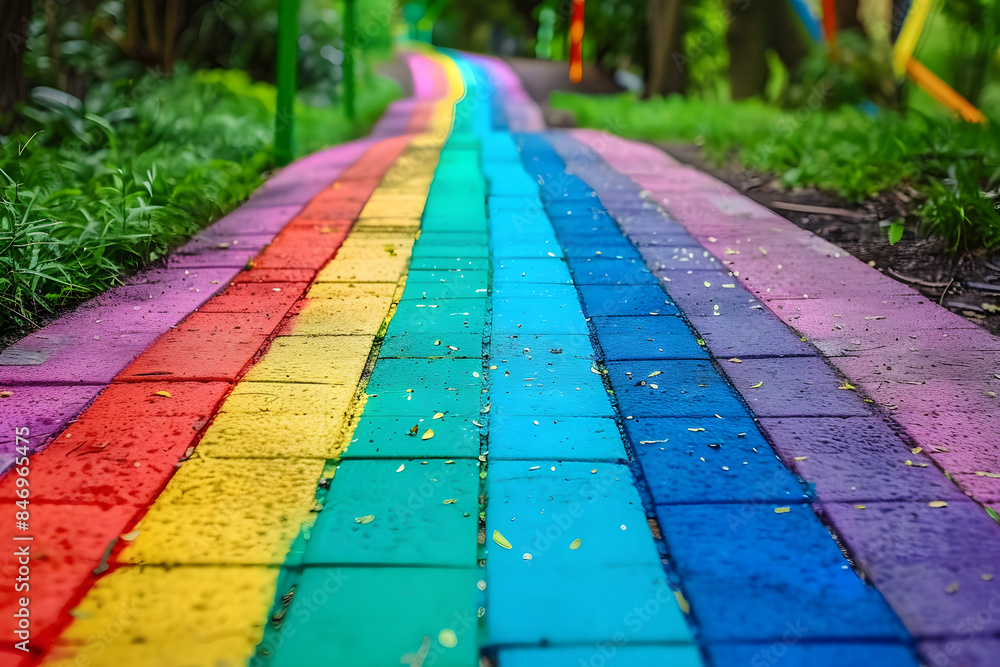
point(469, 392)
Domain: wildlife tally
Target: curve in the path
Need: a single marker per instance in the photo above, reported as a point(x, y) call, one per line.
point(480, 396)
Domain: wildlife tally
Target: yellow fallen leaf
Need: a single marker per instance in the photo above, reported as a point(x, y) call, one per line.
point(575, 544)
point(991, 475)
point(164, 394)
point(449, 501)
point(654, 374)
point(400, 468)
point(438, 415)
point(758, 385)
point(986, 577)
point(682, 602)
point(428, 434)
point(859, 507)
point(762, 250)
point(937, 503)
point(801, 458)
point(734, 360)
point(365, 519)
point(128, 537)
point(448, 638)
point(846, 385)
point(501, 540)
point(952, 588)
point(782, 510)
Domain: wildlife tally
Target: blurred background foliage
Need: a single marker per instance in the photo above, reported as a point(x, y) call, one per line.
point(139, 121)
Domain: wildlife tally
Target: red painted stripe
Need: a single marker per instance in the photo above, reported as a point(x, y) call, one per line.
point(98, 477)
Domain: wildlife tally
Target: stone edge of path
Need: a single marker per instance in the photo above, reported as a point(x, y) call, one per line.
point(930, 369)
point(56, 371)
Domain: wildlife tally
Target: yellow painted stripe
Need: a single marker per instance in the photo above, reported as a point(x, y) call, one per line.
point(906, 43)
point(229, 515)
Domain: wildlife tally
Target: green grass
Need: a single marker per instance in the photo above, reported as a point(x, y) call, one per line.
point(105, 187)
point(955, 166)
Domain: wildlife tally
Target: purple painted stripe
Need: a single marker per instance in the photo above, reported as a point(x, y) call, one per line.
point(889, 340)
point(914, 553)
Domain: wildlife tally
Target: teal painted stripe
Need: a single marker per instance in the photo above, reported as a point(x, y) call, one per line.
point(403, 588)
point(556, 471)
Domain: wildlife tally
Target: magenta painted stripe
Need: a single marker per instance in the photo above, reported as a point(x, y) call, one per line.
point(426, 76)
point(887, 338)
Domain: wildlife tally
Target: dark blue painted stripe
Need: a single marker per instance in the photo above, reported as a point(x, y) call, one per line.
point(752, 568)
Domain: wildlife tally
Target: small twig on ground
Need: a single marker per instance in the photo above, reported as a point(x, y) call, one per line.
point(822, 210)
point(941, 300)
point(917, 281)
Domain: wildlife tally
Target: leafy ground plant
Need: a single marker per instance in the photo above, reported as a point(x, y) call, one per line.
point(955, 166)
point(106, 185)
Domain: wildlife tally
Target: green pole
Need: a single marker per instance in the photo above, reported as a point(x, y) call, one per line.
point(349, 38)
point(288, 47)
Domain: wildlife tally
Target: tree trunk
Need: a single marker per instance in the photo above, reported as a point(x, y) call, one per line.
point(667, 72)
point(14, 17)
point(756, 27)
point(847, 16)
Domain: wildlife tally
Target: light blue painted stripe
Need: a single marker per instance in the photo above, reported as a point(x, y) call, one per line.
point(555, 471)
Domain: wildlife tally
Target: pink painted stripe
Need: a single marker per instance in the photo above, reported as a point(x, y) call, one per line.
point(889, 340)
point(57, 371)
point(428, 80)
